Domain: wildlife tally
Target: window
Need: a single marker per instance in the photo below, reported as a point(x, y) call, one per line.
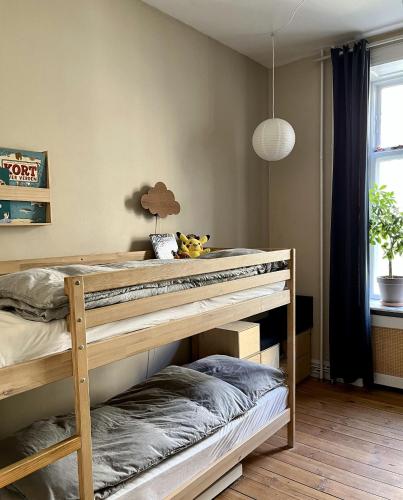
point(386, 149)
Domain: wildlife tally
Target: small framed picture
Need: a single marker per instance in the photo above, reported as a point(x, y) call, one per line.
point(164, 245)
point(20, 168)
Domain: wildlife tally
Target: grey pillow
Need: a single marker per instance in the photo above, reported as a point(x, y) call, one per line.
point(252, 379)
point(224, 401)
point(229, 252)
point(232, 252)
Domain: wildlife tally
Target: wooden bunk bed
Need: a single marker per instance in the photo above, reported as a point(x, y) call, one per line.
point(27, 375)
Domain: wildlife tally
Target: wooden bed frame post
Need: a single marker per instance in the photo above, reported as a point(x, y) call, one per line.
point(291, 352)
point(74, 288)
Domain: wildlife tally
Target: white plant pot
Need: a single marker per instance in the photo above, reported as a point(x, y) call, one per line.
point(391, 290)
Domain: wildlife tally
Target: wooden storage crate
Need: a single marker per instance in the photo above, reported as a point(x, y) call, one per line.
point(302, 355)
point(239, 339)
point(271, 356)
point(255, 358)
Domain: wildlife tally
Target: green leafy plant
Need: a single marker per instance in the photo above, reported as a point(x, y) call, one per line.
point(385, 224)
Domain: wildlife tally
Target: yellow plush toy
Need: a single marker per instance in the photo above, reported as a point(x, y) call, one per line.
point(192, 245)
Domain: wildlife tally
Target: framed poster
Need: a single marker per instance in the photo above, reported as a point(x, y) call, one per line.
point(25, 169)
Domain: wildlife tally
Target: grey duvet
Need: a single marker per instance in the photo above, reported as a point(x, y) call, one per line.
point(139, 428)
point(38, 294)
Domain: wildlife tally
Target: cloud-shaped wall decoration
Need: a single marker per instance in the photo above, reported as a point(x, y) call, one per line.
point(160, 201)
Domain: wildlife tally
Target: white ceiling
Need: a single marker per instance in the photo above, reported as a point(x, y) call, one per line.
point(244, 25)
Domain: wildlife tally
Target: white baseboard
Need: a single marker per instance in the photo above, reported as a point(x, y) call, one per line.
point(315, 369)
point(388, 380)
point(315, 372)
point(379, 378)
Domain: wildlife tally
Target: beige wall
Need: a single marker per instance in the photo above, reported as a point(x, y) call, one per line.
point(122, 96)
point(294, 182)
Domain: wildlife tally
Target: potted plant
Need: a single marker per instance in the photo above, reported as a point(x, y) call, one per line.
point(386, 230)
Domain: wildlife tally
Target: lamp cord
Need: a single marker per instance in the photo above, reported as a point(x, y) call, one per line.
point(273, 33)
point(272, 75)
point(290, 19)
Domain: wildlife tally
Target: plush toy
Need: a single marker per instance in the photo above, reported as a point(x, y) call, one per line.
point(192, 245)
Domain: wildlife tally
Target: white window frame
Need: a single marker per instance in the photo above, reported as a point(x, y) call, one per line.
point(376, 86)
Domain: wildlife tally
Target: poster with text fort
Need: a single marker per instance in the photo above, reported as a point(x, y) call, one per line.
point(27, 169)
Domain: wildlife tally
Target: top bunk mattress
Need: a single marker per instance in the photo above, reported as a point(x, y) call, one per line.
point(38, 294)
point(25, 340)
point(33, 304)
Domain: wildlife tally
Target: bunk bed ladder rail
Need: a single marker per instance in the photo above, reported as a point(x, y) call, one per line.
point(74, 289)
point(81, 441)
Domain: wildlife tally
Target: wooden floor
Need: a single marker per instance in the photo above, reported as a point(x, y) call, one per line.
point(349, 445)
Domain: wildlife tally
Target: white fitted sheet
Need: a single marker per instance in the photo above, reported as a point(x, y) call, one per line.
point(24, 340)
point(164, 478)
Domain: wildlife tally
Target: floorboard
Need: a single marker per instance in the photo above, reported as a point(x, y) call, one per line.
point(349, 445)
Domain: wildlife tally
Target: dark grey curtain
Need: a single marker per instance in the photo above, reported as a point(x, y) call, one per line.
point(349, 328)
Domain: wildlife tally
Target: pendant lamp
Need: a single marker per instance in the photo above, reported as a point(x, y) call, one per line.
point(274, 138)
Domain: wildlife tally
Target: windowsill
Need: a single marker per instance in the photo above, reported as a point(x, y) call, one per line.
point(380, 310)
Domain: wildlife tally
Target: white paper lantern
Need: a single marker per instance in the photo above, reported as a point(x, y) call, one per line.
point(273, 139)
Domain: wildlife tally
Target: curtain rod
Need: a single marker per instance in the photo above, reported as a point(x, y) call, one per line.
point(378, 43)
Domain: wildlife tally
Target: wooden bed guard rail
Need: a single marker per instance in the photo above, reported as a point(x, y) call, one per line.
point(20, 469)
point(82, 358)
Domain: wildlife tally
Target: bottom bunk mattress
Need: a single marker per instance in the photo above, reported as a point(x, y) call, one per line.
point(160, 481)
point(24, 340)
point(178, 419)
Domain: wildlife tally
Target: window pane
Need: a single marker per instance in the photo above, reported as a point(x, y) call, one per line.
point(390, 173)
point(391, 129)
